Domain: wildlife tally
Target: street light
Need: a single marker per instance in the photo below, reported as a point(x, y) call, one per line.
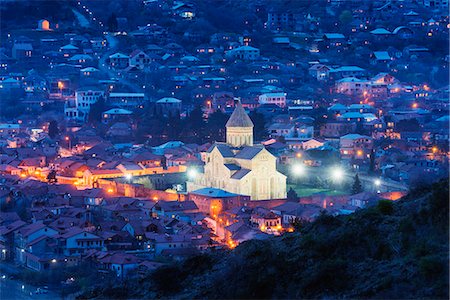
point(192, 173)
point(337, 174)
point(377, 182)
point(298, 170)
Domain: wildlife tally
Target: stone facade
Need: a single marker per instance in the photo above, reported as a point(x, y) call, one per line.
point(240, 167)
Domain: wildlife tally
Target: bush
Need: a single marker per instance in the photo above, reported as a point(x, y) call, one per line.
point(430, 266)
point(385, 207)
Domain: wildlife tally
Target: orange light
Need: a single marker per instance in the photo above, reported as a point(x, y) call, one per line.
point(110, 191)
point(155, 198)
point(23, 175)
point(434, 149)
point(426, 87)
point(60, 85)
point(290, 229)
point(262, 228)
point(279, 227)
point(231, 244)
point(359, 152)
point(414, 105)
point(76, 183)
point(298, 155)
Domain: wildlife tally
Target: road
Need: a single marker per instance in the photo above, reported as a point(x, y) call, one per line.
point(113, 44)
point(84, 22)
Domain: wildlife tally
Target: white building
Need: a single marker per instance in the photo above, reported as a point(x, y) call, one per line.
point(240, 167)
point(273, 98)
point(126, 100)
point(78, 108)
point(244, 53)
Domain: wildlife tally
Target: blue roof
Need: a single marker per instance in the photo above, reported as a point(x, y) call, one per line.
point(213, 192)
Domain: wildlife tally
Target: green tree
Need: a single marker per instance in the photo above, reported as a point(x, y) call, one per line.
point(259, 122)
point(372, 162)
point(357, 187)
point(53, 129)
point(51, 177)
point(292, 195)
point(112, 23)
point(346, 17)
point(96, 110)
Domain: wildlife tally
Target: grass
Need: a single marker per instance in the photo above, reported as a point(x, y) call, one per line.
point(308, 191)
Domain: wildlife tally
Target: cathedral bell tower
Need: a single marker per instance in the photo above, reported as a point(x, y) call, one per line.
point(239, 127)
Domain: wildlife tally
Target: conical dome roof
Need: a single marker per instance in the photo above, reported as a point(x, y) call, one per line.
point(239, 117)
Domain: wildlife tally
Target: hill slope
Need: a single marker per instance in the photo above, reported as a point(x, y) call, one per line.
point(393, 250)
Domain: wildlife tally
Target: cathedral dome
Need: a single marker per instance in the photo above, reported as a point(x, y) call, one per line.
point(239, 117)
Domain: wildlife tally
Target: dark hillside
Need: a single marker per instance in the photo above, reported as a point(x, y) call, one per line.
point(393, 250)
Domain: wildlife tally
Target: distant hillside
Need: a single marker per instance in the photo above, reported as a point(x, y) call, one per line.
point(393, 250)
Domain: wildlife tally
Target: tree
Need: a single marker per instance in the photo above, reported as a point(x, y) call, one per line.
point(372, 162)
point(292, 195)
point(53, 129)
point(357, 187)
point(51, 177)
point(346, 17)
point(112, 23)
point(259, 123)
point(96, 110)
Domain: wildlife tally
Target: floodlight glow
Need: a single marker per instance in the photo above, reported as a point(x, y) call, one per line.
point(337, 174)
point(377, 182)
point(128, 176)
point(192, 173)
point(298, 169)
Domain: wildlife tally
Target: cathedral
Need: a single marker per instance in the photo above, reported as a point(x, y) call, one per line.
point(240, 167)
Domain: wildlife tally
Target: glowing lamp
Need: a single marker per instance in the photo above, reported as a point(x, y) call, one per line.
point(298, 169)
point(337, 173)
point(192, 173)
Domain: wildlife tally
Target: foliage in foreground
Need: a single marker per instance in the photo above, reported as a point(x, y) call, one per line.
point(392, 250)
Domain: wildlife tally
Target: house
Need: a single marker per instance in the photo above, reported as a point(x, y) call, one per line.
point(355, 146)
point(336, 129)
point(291, 211)
point(243, 53)
point(26, 234)
point(347, 71)
point(169, 106)
point(213, 201)
point(69, 50)
point(266, 220)
point(161, 242)
point(79, 107)
point(119, 262)
point(334, 39)
point(138, 59)
point(278, 99)
point(126, 100)
point(43, 25)
point(319, 71)
point(281, 129)
point(22, 50)
point(116, 115)
point(119, 60)
point(173, 208)
point(312, 144)
point(380, 57)
point(78, 241)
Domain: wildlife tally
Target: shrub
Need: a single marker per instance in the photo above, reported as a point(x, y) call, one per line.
point(385, 207)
